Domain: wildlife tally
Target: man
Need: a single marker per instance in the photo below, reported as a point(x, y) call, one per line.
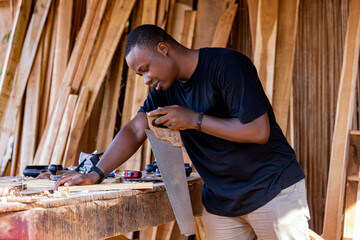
point(253, 184)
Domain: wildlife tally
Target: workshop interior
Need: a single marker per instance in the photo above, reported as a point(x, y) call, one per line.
point(66, 91)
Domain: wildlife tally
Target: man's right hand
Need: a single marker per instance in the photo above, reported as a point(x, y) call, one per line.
point(77, 179)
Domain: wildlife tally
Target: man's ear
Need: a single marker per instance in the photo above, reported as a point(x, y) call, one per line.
point(162, 48)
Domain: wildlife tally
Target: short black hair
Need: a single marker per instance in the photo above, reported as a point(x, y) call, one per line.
point(147, 35)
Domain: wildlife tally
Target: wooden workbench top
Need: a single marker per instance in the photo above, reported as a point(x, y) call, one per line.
point(92, 215)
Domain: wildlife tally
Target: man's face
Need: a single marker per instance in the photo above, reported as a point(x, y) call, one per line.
point(154, 65)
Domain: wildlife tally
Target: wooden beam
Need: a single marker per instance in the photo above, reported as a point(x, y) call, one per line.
point(60, 144)
point(85, 56)
point(188, 29)
point(284, 60)
point(265, 44)
point(62, 48)
point(223, 28)
point(76, 130)
point(113, 85)
point(208, 14)
point(253, 6)
point(28, 52)
point(31, 114)
point(13, 54)
point(344, 111)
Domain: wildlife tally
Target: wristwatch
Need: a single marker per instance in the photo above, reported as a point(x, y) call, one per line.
point(98, 171)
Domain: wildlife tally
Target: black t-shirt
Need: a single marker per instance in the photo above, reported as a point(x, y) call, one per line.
point(238, 177)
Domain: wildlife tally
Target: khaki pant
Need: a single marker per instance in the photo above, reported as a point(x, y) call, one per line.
point(283, 218)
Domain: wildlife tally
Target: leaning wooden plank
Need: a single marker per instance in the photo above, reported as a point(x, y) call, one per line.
point(46, 145)
point(61, 55)
point(31, 113)
point(16, 146)
point(265, 44)
point(352, 184)
point(253, 6)
point(223, 28)
point(60, 143)
point(314, 236)
point(13, 54)
point(75, 85)
point(30, 46)
point(107, 187)
point(113, 85)
point(77, 126)
point(344, 111)
point(284, 60)
point(188, 29)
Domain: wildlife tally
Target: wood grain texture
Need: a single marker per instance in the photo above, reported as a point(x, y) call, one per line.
point(60, 144)
point(31, 41)
point(265, 44)
point(225, 23)
point(344, 113)
point(253, 6)
point(188, 29)
point(208, 14)
point(284, 60)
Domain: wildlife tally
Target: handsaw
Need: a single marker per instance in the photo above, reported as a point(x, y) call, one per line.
point(171, 164)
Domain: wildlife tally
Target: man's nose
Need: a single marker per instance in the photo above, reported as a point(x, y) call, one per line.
point(147, 80)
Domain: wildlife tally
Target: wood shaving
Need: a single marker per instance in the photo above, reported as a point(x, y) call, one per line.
point(62, 193)
point(9, 191)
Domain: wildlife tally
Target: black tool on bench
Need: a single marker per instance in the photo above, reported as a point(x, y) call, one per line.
point(155, 169)
point(35, 170)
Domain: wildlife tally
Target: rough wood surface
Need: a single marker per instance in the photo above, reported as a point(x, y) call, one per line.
point(107, 187)
point(344, 113)
point(265, 44)
point(225, 23)
point(284, 60)
point(58, 218)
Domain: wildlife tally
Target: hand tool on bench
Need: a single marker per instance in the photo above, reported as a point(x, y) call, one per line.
point(166, 145)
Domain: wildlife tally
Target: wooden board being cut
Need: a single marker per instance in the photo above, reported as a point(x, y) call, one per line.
point(106, 187)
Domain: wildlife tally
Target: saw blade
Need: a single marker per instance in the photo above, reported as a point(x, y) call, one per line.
point(171, 165)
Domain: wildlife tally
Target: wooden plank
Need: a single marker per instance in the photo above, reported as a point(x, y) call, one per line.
point(253, 6)
point(351, 185)
point(60, 144)
point(284, 60)
point(188, 29)
point(226, 20)
point(61, 56)
point(31, 114)
point(46, 145)
point(113, 85)
point(13, 54)
point(148, 234)
point(6, 24)
point(16, 146)
point(75, 85)
point(30, 45)
point(107, 187)
point(50, 133)
point(314, 236)
point(208, 14)
point(265, 44)
point(344, 110)
point(356, 235)
point(77, 126)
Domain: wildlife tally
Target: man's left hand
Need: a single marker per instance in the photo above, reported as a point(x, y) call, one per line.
point(175, 117)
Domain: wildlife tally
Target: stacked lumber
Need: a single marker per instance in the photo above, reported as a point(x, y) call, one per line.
point(65, 86)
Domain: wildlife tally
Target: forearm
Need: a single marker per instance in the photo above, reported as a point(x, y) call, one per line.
point(124, 145)
point(232, 129)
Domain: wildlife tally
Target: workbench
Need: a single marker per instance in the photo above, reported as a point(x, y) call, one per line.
point(93, 215)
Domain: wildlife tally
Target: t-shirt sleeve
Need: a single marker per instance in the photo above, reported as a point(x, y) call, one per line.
point(154, 100)
point(242, 90)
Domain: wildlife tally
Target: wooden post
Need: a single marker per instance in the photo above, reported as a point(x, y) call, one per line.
point(265, 44)
point(344, 110)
